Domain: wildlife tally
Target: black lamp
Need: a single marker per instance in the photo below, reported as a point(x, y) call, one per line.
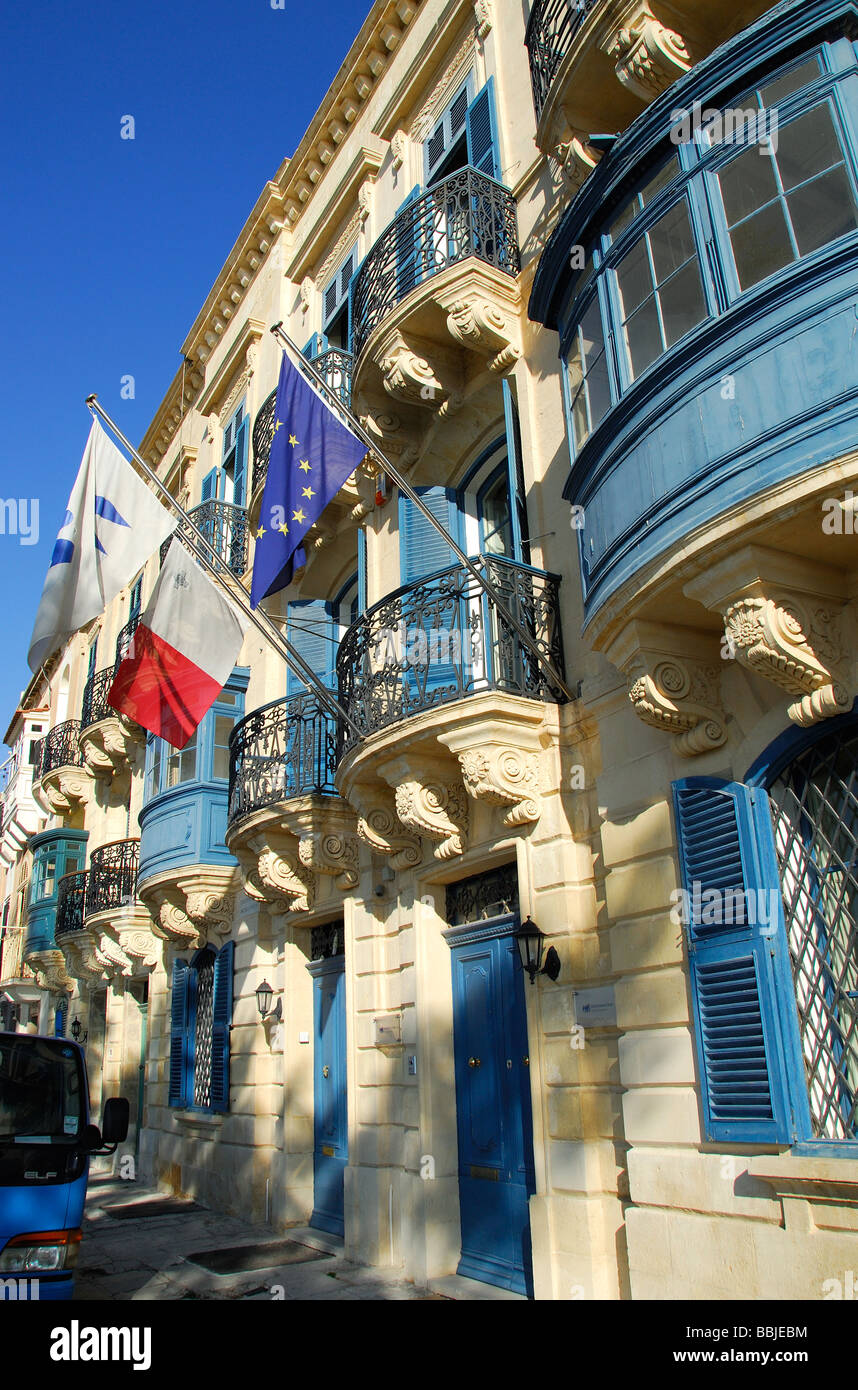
point(264, 995)
point(530, 941)
point(75, 1030)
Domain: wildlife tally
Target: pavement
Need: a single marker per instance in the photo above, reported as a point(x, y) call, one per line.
point(148, 1256)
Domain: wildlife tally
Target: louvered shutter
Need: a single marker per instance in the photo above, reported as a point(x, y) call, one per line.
point(744, 1006)
point(407, 235)
point(515, 475)
point(421, 549)
point(482, 132)
point(361, 550)
point(224, 968)
point(209, 486)
point(310, 630)
point(316, 346)
point(447, 131)
point(240, 470)
point(179, 1021)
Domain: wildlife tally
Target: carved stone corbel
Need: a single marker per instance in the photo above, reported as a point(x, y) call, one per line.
point(191, 906)
point(647, 55)
point(795, 645)
point(51, 971)
point(411, 378)
point(430, 801)
point(308, 284)
point(379, 826)
point(674, 683)
point(64, 788)
point(576, 161)
point(482, 17)
point(399, 148)
point(479, 324)
point(331, 853)
point(782, 620)
point(500, 759)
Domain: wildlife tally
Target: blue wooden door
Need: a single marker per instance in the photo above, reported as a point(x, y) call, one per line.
point(495, 1126)
point(331, 1149)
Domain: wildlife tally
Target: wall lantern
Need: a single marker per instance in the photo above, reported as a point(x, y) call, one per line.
point(264, 994)
point(75, 1030)
point(531, 941)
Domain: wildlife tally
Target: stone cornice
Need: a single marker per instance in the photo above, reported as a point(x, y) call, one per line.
point(217, 389)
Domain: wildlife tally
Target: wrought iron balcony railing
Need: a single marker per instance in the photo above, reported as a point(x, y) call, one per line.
point(71, 896)
point(287, 748)
point(94, 706)
point(439, 640)
point(123, 641)
point(467, 214)
point(112, 876)
point(335, 367)
point(59, 748)
point(551, 28)
point(225, 528)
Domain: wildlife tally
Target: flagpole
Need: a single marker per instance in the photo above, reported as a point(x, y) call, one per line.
point(526, 638)
point(266, 628)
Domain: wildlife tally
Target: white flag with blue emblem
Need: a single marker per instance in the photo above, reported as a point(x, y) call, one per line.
point(113, 523)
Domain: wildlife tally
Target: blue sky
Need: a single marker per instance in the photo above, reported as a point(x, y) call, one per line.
point(110, 246)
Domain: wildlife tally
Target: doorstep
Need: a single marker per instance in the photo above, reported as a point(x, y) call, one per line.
point(472, 1290)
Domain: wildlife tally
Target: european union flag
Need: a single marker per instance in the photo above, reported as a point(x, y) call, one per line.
point(312, 455)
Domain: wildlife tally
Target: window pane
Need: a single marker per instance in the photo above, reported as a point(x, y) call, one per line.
point(643, 336)
point(822, 210)
point(807, 146)
point(790, 82)
point(599, 390)
point(634, 277)
point(683, 303)
point(624, 219)
point(667, 172)
point(226, 697)
point(672, 241)
point(189, 761)
point(761, 246)
point(580, 422)
point(747, 183)
point(591, 337)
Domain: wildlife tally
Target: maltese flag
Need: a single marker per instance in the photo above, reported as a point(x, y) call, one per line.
point(182, 653)
point(113, 523)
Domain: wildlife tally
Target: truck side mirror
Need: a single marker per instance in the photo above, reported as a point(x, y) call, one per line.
point(90, 1139)
point(114, 1126)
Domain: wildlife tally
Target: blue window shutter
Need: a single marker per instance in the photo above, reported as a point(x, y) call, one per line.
point(209, 486)
point(136, 598)
point(515, 475)
point(744, 1005)
point(482, 132)
point(421, 549)
point(310, 630)
point(240, 470)
point(93, 653)
point(179, 1022)
point(407, 244)
point(361, 549)
point(60, 1022)
point(316, 346)
point(224, 967)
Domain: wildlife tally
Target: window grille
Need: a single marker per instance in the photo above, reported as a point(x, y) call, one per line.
point(493, 894)
point(327, 941)
point(815, 809)
point(203, 1032)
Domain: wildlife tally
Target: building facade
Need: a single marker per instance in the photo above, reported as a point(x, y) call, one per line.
point(510, 242)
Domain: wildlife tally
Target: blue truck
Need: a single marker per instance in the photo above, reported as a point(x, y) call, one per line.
point(46, 1141)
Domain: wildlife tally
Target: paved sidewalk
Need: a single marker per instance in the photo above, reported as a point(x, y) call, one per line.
point(146, 1257)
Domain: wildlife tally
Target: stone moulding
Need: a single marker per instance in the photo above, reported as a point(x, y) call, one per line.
point(126, 939)
point(110, 747)
point(51, 970)
point(63, 789)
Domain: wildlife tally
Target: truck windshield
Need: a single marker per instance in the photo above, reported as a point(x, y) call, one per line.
point(42, 1091)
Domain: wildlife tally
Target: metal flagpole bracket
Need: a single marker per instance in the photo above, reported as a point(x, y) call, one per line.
point(526, 638)
point(211, 562)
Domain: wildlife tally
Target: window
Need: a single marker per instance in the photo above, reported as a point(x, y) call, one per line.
point(758, 207)
point(205, 757)
point(335, 301)
point(445, 149)
point(660, 288)
point(200, 1019)
point(234, 460)
point(769, 873)
point(781, 204)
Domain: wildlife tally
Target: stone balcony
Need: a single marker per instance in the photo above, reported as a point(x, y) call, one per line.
point(61, 782)
point(596, 64)
point(435, 305)
point(102, 928)
point(293, 835)
point(109, 742)
point(452, 708)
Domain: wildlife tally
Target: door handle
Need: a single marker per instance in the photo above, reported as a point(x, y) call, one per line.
point(525, 1061)
point(326, 1071)
point(474, 1062)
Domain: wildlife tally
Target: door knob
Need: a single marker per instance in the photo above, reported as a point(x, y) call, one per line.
point(474, 1062)
point(525, 1061)
point(326, 1071)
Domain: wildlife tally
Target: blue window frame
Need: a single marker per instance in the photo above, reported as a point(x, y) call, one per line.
point(205, 757)
point(200, 1020)
point(715, 219)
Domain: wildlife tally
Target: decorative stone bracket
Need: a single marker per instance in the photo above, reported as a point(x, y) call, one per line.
point(418, 375)
point(379, 826)
point(674, 683)
point(647, 55)
point(500, 762)
point(782, 620)
point(50, 967)
point(193, 905)
point(327, 840)
point(273, 873)
point(432, 803)
point(483, 326)
point(63, 789)
point(110, 747)
point(84, 958)
point(125, 940)
point(281, 850)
